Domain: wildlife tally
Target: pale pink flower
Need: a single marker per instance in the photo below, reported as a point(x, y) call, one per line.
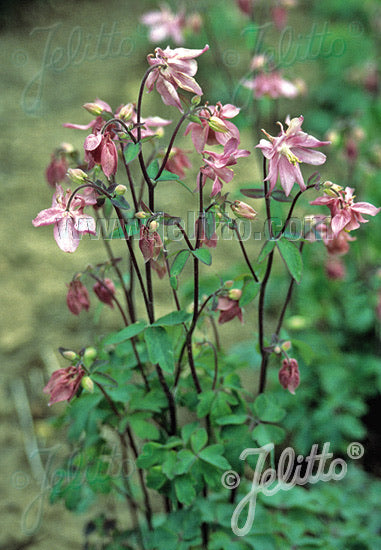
point(203, 134)
point(345, 213)
point(178, 162)
point(289, 376)
point(337, 245)
point(165, 24)
point(334, 268)
point(174, 69)
point(64, 384)
point(286, 151)
point(105, 291)
point(217, 165)
point(159, 265)
point(151, 126)
point(77, 297)
point(150, 243)
point(95, 124)
point(272, 85)
point(228, 310)
point(56, 171)
point(100, 149)
point(68, 224)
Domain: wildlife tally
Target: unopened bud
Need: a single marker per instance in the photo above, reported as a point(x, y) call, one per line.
point(126, 112)
point(333, 136)
point(243, 210)
point(332, 189)
point(277, 350)
point(87, 384)
point(196, 100)
point(286, 345)
point(217, 124)
point(89, 356)
point(141, 215)
point(68, 354)
point(153, 226)
point(229, 284)
point(77, 175)
point(120, 189)
point(235, 293)
point(93, 108)
point(66, 148)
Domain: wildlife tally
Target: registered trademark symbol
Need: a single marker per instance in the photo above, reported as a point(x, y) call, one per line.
point(355, 450)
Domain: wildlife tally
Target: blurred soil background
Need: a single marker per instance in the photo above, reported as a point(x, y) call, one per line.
point(36, 99)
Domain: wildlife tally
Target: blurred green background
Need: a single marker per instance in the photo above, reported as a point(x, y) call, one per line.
point(43, 86)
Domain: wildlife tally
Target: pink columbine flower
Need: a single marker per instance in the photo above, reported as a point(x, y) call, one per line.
point(345, 213)
point(229, 309)
point(77, 297)
point(68, 224)
point(178, 162)
point(272, 85)
point(217, 165)
point(95, 124)
point(199, 230)
point(63, 384)
point(174, 69)
point(246, 6)
point(159, 265)
point(100, 149)
point(203, 133)
point(337, 245)
point(150, 242)
point(335, 268)
point(105, 291)
point(286, 151)
point(151, 126)
point(289, 376)
point(165, 24)
point(56, 171)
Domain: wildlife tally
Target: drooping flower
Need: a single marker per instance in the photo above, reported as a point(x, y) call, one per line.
point(334, 268)
point(174, 69)
point(272, 85)
point(336, 245)
point(165, 24)
point(151, 126)
point(217, 165)
point(150, 242)
point(95, 124)
point(70, 223)
point(100, 149)
point(229, 309)
point(57, 169)
point(204, 133)
point(159, 265)
point(105, 291)
point(286, 151)
point(63, 384)
point(243, 210)
point(289, 376)
point(345, 213)
point(199, 231)
point(246, 6)
point(178, 162)
point(77, 297)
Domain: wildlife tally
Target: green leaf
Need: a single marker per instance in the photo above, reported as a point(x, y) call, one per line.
point(185, 459)
point(124, 334)
point(173, 318)
point(268, 433)
point(291, 257)
point(166, 175)
point(232, 419)
point(179, 262)
point(131, 151)
point(266, 249)
point(159, 348)
point(213, 455)
point(249, 292)
point(254, 193)
point(169, 465)
point(203, 255)
point(280, 196)
point(199, 439)
point(267, 409)
point(205, 403)
point(210, 224)
point(120, 202)
point(185, 490)
point(194, 118)
point(143, 428)
point(173, 282)
point(153, 169)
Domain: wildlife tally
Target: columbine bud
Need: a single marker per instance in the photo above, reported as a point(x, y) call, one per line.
point(87, 384)
point(126, 112)
point(70, 355)
point(277, 350)
point(66, 148)
point(243, 210)
point(77, 175)
point(89, 356)
point(228, 284)
point(77, 297)
point(153, 226)
point(217, 124)
point(93, 108)
point(289, 375)
point(235, 293)
point(120, 189)
point(196, 99)
point(286, 345)
point(141, 215)
point(105, 291)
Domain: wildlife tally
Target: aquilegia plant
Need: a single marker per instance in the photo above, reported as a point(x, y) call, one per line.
point(162, 390)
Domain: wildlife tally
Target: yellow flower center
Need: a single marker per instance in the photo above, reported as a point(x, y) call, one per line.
point(286, 151)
